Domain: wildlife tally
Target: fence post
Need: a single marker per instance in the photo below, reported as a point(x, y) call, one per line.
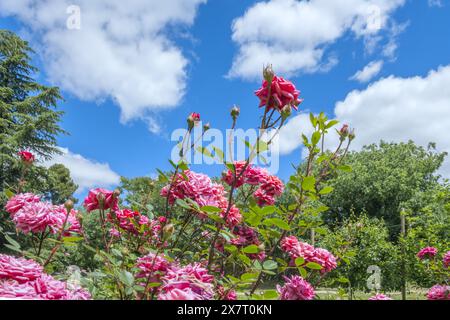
point(402, 239)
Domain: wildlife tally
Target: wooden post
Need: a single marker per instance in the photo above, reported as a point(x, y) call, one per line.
point(403, 236)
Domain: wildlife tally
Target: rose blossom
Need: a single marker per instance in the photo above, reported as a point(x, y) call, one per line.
point(91, 202)
point(24, 279)
point(297, 249)
point(150, 265)
point(37, 217)
point(282, 93)
point(446, 259)
point(18, 201)
point(224, 294)
point(428, 252)
point(296, 288)
point(379, 296)
point(439, 292)
point(19, 269)
point(191, 282)
point(26, 156)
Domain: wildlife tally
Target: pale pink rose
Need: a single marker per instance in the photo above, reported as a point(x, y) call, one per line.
point(24, 279)
point(296, 288)
point(18, 201)
point(38, 217)
point(19, 269)
point(193, 279)
point(439, 292)
point(379, 296)
point(179, 294)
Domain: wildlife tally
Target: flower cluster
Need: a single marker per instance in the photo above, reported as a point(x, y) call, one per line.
point(439, 292)
point(199, 188)
point(24, 279)
point(277, 92)
point(100, 199)
point(380, 296)
point(297, 249)
point(296, 288)
point(152, 267)
point(31, 215)
point(270, 186)
point(427, 253)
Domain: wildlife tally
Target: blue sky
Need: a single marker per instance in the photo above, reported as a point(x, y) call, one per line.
point(411, 41)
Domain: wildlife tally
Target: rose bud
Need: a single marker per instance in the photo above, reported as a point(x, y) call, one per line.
point(286, 111)
point(352, 135)
point(206, 127)
point(68, 205)
point(162, 219)
point(268, 73)
point(261, 247)
point(235, 111)
point(116, 193)
point(168, 231)
point(101, 200)
point(193, 119)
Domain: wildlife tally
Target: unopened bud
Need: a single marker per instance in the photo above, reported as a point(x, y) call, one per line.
point(262, 247)
point(101, 199)
point(343, 132)
point(206, 127)
point(286, 111)
point(168, 230)
point(117, 193)
point(268, 73)
point(235, 111)
point(68, 205)
point(352, 135)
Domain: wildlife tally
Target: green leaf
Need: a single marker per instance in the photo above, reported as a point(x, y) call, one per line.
point(251, 249)
point(210, 209)
point(72, 239)
point(249, 276)
point(308, 183)
point(326, 190)
point(13, 242)
point(345, 168)
point(12, 247)
point(183, 204)
point(8, 193)
point(270, 265)
point(314, 266)
point(302, 272)
point(270, 294)
point(299, 261)
point(280, 223)
point(204, 151)
point(219, 153)
point(126, 278)
point(331, 123)
point(315, 138)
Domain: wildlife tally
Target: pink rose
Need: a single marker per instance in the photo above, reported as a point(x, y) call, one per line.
point(282, 93)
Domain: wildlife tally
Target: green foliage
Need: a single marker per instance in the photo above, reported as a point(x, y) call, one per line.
point(28, 116)
point(383, 178)
point(360, 242)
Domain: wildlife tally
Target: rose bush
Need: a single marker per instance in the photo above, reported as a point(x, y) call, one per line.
point(203, 243)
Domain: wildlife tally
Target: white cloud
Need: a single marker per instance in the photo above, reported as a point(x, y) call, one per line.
point(85, 173)
point(292, 35)
point(122, 50)
point(435, 3)
point(393, 109)
point(368, 72)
